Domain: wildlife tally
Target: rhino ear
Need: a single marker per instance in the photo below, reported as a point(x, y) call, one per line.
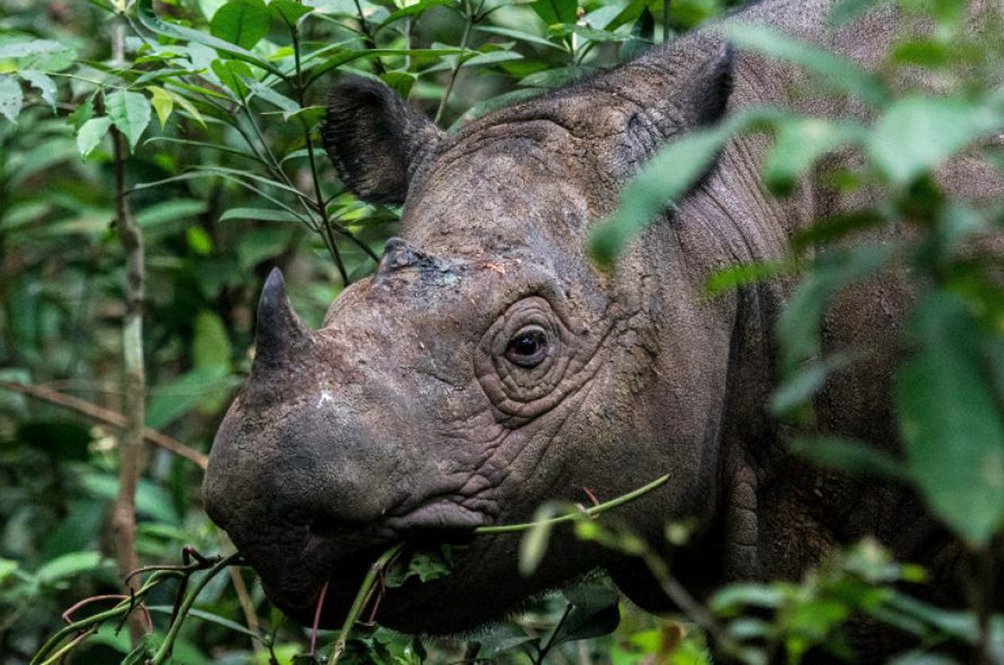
point(374, 139)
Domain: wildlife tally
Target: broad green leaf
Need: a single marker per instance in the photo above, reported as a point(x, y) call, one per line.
point(91, 133)
point(188, 106)
point(186, 393)
point(837, 72)
point(234, 74)
point(151, 500)
point(38, 54)
point(595, 612)
point(424, 564)
point(11, 98)
point(259, 214)
point(747, 273)
point(950, 420)
point(271, 95)
point(68, 565)
point(492, 57)
point(288, 11)
point(43, 83)
point(241, 22)
point(82, 113)
point(556, 11)
point(172, 212)
point(916, 134)
point(152, 22)
point(799, 143)
point(519, 35)
point(7, 569)
point(130, 113)
point(211, 344)
point(163, 103)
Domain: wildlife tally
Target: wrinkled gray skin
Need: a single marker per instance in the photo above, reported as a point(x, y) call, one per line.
point(409, 414)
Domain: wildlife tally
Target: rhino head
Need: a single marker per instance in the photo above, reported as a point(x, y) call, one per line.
point(487, 366)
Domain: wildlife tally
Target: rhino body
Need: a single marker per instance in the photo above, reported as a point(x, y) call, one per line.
point(488, 366)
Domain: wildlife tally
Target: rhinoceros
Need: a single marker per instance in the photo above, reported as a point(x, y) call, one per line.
point(489, 365)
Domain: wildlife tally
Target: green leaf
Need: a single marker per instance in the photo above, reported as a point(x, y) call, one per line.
point(518, 35)
point(799, 143)
point(854, 457)
point(259, 214)
point(233, 74)
point(951, 423)
point(11, 98)
point(916, 134)
point(82, 113)
point(45, 85)
point(39, 54)
point(211, 344)
point(424, 564)
point(68, 565)
point(269, 94)
point(130, 113)
point(7, 569)
point(91, 133)
point(835, 71)
point(152, 22)
point(595, 612)
point(163, 103)
point(556, 11)
point(241, 22)
point(747, 273)
point(533, 546)
point(288, 11)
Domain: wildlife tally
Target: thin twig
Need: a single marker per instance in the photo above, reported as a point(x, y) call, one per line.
point(123, 517)
point(106, 416)
point(470, 20)
point(357, 604)
point(569, 517)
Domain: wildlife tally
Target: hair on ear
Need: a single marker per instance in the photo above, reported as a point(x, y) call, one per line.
point(374, 139)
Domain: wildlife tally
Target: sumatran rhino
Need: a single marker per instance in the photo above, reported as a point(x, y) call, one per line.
point(489, 366)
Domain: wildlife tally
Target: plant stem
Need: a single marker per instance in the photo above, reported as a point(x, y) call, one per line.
point(589, 512)
point(665, 21)
point(164, 652)
point(357, 604)
point(123, 519)
point(470, 20)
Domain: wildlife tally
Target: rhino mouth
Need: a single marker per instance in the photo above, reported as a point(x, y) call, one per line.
point(339, 552)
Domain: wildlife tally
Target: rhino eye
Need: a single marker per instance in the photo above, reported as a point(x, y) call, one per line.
point(528, 347)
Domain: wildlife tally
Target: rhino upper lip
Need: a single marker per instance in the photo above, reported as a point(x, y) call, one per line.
point(440, 519)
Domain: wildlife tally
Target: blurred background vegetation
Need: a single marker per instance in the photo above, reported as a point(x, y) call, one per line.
point(210, 111)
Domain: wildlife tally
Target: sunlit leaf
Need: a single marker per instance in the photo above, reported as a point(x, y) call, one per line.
point(11, 98)
point(916, 134)
point(91, 133)
point(45, 85)
point(241, 22)
point(163, 103)
point(130, 113)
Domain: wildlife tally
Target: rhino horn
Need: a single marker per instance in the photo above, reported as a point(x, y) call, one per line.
point(279, 333)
